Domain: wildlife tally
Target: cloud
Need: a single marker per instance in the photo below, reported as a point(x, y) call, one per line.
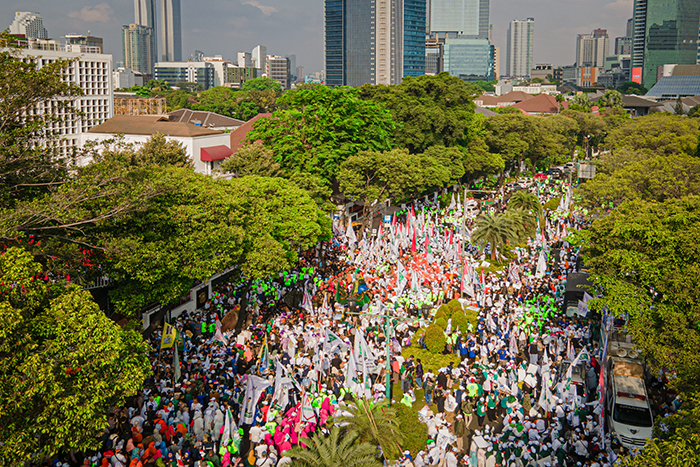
point(101, 13)
point(267, 10)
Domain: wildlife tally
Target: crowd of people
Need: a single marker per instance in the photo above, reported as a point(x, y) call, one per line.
point(264, 365)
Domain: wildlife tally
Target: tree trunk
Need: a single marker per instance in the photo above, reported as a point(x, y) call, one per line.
point(243, 312)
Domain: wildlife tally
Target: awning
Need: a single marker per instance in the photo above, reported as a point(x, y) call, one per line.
point(215, 153)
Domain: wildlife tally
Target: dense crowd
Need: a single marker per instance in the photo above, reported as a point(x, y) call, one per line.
point(263, 365)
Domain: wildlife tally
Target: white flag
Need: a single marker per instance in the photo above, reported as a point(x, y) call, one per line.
point(254, 388)
point(350, 235)
point(541, 265)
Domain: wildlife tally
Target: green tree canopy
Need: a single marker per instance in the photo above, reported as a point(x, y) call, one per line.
point(497, 230)
point(334, 450)
point(430, 110)
point(261, 84)
point(632, 88)
point(662, 133)
point(317, 128)
point(252, 159)
point(375, 423)
point(63, 363)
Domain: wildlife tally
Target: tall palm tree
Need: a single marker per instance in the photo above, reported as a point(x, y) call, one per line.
point(494, 229)
point(525, 201)
point(334, 450)
point(376, 423)
point(522, 222)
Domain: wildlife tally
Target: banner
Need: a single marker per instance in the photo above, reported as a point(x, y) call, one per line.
point(254, 388)
point(169, 335)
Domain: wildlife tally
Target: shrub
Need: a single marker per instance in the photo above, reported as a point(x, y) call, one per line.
point(442, 312)
point(415, 433)
point(454, 306)
point(552, 204)
point(472, 316)
point(442, 322)
point(435, 338)
point(460, 320)
point(431, 361)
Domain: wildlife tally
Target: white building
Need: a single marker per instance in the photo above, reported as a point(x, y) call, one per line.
point(92, 72)
point(245, 60)
point(186, 72)
point(29, 25)
point(520, 48)
point(204, 146)
point(124, 78)
point(220, 69)
point(538, 89)
point(591, 49)
point(260, 58)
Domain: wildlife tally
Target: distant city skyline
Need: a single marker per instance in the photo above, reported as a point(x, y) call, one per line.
point(226, 27)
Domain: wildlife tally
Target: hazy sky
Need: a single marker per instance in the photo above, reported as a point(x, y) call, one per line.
point(225, 27)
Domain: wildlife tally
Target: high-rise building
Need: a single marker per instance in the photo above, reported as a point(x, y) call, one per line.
point(145, 13)
point(139, 48)
point(629, 30)
point(170, 31)
point(496, 62)
point(245, 60)
point(278, 69)
point(82, 40)
point(300, 73)
point(292, 64)
point(90, 71)
point(520, 48)
point(29, 25)
point(665, 32)
point(260, 58)
point(591, 49)
point(470, 59)
point(467, 18)
point(377, 42)
point(202, 73)
point(623, 45)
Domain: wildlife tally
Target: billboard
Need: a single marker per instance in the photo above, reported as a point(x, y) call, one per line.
point(637, 74)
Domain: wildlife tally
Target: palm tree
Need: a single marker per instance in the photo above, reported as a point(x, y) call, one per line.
point(334, 450)
point(375, 423)
point(526, 201)
point(496, 230)
point(522, 222)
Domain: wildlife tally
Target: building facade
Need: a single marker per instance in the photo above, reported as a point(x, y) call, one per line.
point(90, 71)
point(29, 25)
point(470, 59)
point(237, 75)
point(139, 48)
point(82, 40)
point(468, 19)
point(278, 69)
point(373, 41)
point(665, 31)
point(186, 72)
point(259, 57)
point(591, 49)
point(520, 48)
point(170, 31)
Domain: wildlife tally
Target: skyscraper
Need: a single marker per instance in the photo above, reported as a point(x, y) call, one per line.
point(520, 48)
point(139, 47)
point(378, 42)
point(260, 58)
point(665, 32)
point(591, 49)
point(467, 18)
point(145, 13)
point(170, 31)
point(29, 25)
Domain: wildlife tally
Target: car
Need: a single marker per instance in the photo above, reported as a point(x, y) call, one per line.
point(629, 410)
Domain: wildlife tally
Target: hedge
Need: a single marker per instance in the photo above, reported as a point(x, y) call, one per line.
point(415, 433)
point(430, 361)
point(442, 322)
point(435, 338)
point(460, 320)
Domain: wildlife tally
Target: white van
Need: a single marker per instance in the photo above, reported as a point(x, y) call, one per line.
point(629, 411)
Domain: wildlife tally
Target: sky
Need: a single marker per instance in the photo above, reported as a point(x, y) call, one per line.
point(225, 27)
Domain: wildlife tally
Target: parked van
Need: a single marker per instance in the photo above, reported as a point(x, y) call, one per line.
point(629, 412)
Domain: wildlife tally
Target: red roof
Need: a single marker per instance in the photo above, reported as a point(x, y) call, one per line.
point(542, 104)
point(239, 135)
point(215, 153)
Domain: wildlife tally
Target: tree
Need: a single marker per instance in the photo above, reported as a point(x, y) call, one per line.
point(661, 133)
point(374, 423)
point(632, 88)
point(581, 102)
point(429, 110)
point(654, 179)
point(261, 84)
point(526, 201)
point(334, 450)
point(694, 112)
point(590, 130)
point(30, 162)
point(522, 222)
point(487, 86)
point(187, 86)
point(611, 99)
point(252, 159)
point(158, 85)
point(644, 256)
point(159, 151)
point(678, 109)
point(495, 230)
point(316, 128)
point(63, 363)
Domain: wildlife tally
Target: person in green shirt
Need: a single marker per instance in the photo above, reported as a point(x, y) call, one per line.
point(480, 412)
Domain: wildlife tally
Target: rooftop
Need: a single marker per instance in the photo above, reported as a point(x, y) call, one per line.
point(149, 125)
point(543, 104)
point(205, 119)
point(674, 86)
